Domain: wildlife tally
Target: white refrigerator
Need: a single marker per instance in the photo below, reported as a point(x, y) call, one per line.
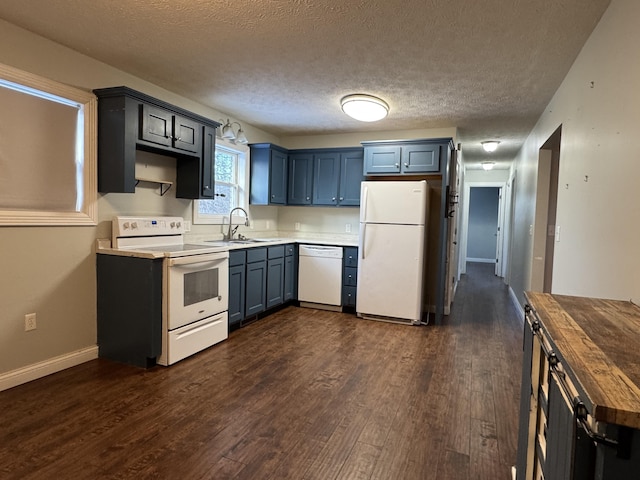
point(392, 250)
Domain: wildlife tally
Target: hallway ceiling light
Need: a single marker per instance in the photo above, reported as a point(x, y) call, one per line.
point(488, 165)
point(490, 145)
point(365, 108)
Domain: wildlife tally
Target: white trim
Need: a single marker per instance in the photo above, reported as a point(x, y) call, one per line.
point(87, 213)
point(516, 303)
point(47, 367)
point(481, 260)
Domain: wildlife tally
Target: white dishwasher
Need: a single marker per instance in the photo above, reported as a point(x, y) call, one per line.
point(320, 276)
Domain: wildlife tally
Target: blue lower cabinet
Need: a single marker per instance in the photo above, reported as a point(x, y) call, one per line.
point(275, 276)
point(256, 281)
point(349, 276)
point(237, 265)
point(290, 272)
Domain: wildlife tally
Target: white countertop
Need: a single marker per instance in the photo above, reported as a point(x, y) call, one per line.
point(103, 246)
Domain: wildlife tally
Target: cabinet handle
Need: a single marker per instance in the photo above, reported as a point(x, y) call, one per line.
point(179, 139)
point(307, 198)
point(397, 165)
point(333, 199)
point(273, 196)
point(341, 198)
point(406, 165)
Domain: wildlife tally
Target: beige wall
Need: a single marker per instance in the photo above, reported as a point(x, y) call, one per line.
point(51, 271)
point(598, 196)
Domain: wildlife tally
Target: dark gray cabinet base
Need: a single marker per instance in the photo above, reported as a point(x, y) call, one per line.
point(129, 309)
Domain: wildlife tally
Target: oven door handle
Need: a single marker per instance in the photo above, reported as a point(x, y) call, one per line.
point(199, 259)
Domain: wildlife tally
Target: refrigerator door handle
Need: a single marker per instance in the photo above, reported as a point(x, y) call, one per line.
point(362, 241)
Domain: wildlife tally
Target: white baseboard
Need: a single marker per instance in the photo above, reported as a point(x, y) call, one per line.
point(481, 260)
point(516, 303)
point(47, 367)
point(513, 473)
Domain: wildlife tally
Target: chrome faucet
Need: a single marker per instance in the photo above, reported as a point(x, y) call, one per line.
point(229, 235)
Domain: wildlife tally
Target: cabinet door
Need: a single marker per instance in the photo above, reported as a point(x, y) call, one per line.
point(236, 295)
point(256, 288)
point(300, 179)
point(275, 282)
point(420, 158)
point(156, 125)
point(278, 178)
point(560, 433)
point(351, 165)
point(526, 427)
point(326, 175)
point(187, 135)
point(290, 278)
point(208, 163)
point(381, 159)
point(129, 309)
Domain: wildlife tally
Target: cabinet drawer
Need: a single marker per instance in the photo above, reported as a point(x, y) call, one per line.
point(350, 256)
point(237, 257)
point(350, 276)
point(289, 250)
point(256, 255)
point(276, 251)
point(349, 296)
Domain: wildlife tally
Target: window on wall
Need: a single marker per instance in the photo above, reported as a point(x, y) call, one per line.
point(231, 177)
point(47, 151)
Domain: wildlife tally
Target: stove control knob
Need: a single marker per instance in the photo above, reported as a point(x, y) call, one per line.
point(125, 225)
point(134, 225)
point(178, 225)
point(173, 224)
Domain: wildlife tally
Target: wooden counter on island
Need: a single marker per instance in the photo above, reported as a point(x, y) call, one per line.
point(580, 394)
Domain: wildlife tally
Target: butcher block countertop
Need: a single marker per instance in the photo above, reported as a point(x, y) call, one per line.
point(598, 343)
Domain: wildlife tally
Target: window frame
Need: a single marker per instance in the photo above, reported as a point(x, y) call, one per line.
point(243, 187)
point(87, 211)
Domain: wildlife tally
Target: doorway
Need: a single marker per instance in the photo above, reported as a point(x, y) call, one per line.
point(483, 224)
point(483, 217)
point(546, 232)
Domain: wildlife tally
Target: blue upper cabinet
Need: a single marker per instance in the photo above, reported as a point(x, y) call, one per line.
point(404, 157)
point(326, 175)
point(300, 178)
point(269, 166)
point(315, 176)
point(382, 159)
point(351, 164)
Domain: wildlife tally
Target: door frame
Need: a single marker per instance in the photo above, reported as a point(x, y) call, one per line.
point(465, 220)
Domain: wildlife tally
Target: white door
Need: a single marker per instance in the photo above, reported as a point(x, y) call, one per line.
point(394, 202)
point(390, 267)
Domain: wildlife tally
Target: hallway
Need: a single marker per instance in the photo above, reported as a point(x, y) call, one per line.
point(301, 394)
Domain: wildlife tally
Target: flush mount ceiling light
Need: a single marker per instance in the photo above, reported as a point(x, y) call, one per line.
point(490, 145)
point(228, 133)
point(365, 108)
point(488, 165)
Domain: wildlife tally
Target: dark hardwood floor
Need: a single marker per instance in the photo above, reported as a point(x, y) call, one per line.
point(301, 394)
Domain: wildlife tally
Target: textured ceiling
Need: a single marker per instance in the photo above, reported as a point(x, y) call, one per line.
point(487, 67)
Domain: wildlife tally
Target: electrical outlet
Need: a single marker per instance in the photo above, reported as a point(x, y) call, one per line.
point(296, 226)
point(29, 322)
point(187, 225)
point(268, 224)
point(347, 228)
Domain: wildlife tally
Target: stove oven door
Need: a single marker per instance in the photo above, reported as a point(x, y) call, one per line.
point(197, 287)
